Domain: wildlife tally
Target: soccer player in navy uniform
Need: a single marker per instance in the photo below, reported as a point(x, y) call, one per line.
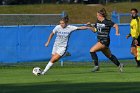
point(102, 27)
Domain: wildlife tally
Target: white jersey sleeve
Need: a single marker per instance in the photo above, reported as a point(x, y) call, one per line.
point(55, 29)
point(73, 28)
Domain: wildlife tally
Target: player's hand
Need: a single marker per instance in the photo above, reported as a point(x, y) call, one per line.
point(117, 34)
point(88, 24)
point(127, 36)
point(136, 42)
point(47, 44)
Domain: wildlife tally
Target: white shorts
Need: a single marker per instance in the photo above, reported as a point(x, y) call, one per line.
point(59, 50)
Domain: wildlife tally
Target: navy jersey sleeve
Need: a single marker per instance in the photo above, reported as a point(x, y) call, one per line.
point(95, 25)
point(111, 23)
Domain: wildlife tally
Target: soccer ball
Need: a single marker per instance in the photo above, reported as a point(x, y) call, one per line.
point(36, 71)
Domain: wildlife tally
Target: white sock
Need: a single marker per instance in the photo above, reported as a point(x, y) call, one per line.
point(48, 66)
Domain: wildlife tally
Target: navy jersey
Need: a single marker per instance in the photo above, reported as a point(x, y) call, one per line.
point(103, 28)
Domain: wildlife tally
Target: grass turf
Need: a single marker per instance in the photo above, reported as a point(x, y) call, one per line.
point(72, 78)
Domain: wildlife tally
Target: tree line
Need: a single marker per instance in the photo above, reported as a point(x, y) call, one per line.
point(18, 2)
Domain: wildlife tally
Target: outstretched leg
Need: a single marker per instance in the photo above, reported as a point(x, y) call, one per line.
point(97, 47)
point(113, 58)
point(54, 58)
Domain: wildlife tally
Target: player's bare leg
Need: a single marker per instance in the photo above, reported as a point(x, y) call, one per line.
point(113, 58)
point(97, 47)
point(54, 58)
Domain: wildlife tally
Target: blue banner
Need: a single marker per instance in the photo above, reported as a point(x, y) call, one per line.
point(27, 43)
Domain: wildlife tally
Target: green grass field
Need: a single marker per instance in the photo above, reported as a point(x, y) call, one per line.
point(72, 78)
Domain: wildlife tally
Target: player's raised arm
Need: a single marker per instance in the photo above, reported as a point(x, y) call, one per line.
point(117, 29)
point(83, 28)
point(87, 27)
point(49, 39)
point(127, 36)
point(91, 27)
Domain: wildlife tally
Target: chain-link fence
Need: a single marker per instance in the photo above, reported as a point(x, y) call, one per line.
point(30, 19)
point(121, 17)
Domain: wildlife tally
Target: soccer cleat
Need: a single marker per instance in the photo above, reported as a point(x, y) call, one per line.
point(121, 67)
point(42, 73)
point(96, 68)
point(138, 66)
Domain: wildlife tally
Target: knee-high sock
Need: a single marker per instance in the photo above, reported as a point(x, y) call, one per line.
point(94, 57)
point(48, 66)
point(114, 60)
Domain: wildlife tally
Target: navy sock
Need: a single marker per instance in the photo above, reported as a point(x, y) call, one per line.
point(94, 57)
point(114, 60)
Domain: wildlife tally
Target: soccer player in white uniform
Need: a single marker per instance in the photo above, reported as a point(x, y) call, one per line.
point(62, 31)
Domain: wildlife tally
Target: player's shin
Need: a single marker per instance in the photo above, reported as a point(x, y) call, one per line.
point(48, 66)
point(114, 60)
point(94, 57)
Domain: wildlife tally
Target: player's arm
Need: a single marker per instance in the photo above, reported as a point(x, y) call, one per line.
point(117, 29)
point(49, 39)
point(83, 28)
point(127, 36)
point(87, 27)
point(91, 27)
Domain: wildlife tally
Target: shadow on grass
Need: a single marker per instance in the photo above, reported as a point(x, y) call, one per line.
point(58, 87)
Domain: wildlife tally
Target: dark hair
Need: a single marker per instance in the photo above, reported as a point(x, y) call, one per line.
point(103, 12)
point(63, 19)
point(134, 9)
point(66, 18)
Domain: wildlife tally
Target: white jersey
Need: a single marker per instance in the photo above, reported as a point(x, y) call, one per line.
point(63, 35)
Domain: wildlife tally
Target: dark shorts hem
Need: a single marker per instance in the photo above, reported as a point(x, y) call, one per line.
point(105, 42)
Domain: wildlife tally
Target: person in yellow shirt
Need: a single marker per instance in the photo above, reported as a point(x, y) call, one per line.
point(135, 33)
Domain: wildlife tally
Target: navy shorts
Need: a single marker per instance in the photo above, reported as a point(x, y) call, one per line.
point(105, 42)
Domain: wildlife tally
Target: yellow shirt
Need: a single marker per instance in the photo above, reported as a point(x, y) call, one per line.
point(135, 27)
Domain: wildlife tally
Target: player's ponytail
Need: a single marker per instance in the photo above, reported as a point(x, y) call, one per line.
point(66, 19)
point(103, 12)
